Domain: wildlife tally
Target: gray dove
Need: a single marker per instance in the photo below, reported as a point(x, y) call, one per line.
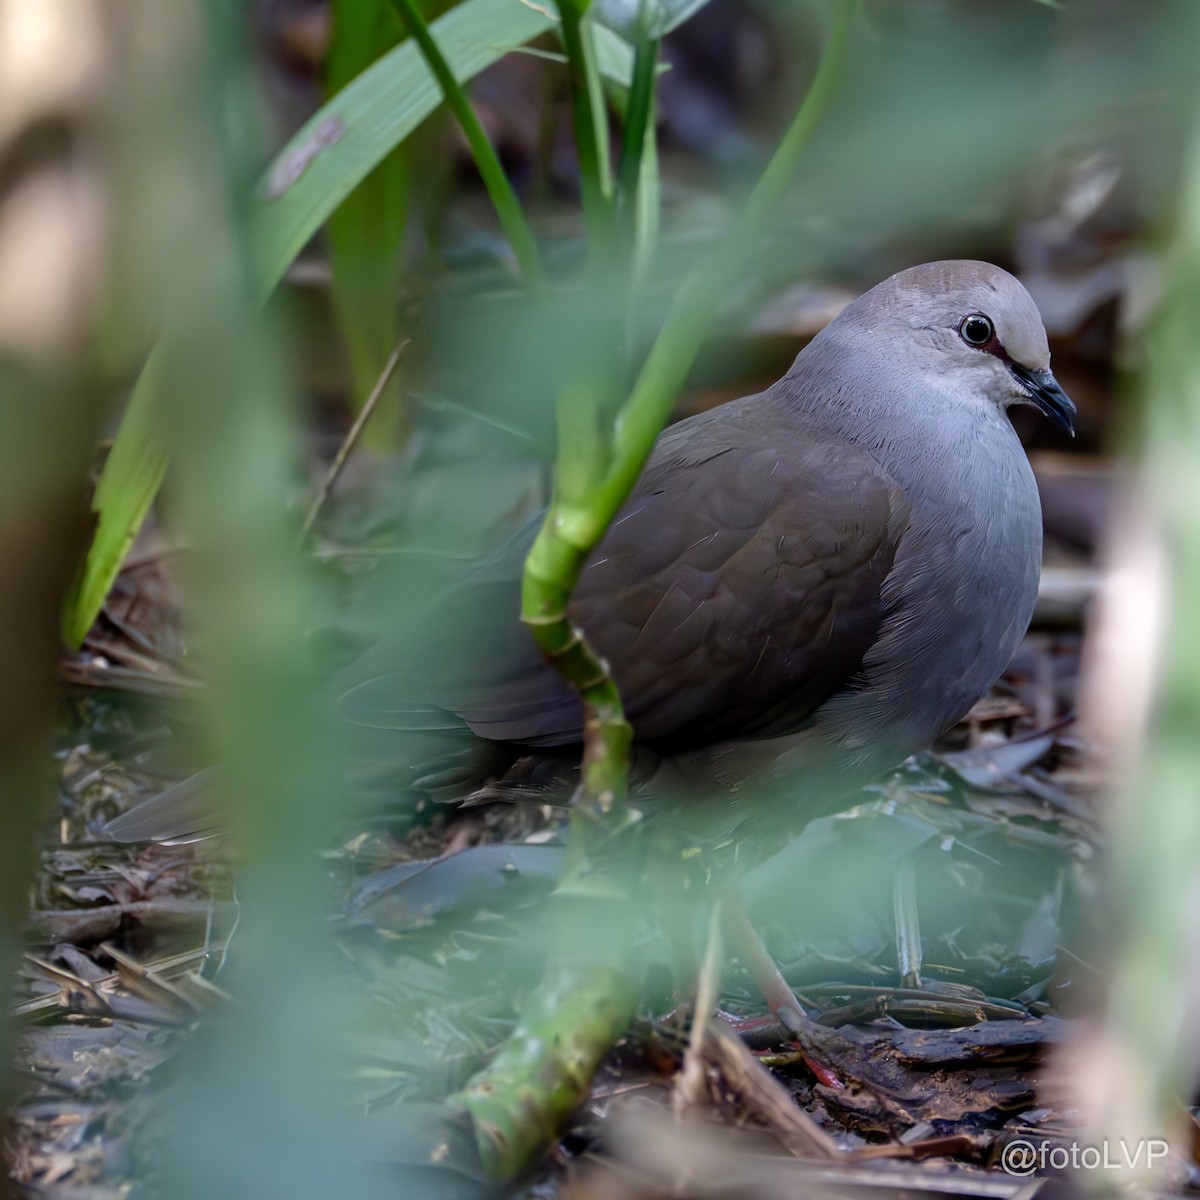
point(812, 582)
point(824, 576)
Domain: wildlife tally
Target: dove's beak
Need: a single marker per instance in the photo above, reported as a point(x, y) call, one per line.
point(1046, 394)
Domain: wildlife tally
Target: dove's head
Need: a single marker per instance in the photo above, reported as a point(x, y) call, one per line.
point(971, 325)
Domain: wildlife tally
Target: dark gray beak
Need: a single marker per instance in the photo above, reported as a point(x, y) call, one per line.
point(1045, 393)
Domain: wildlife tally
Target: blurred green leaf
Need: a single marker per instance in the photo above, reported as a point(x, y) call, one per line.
point(614, 55)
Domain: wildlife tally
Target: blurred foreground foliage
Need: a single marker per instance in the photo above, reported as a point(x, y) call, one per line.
point(946, 120)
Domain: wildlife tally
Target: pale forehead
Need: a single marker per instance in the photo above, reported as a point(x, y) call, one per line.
point(942, 293)
point(953, 283)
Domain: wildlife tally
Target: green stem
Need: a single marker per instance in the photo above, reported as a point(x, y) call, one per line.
point(551, 570)
point(508, 207)
point(591, 126)
point(637, 118)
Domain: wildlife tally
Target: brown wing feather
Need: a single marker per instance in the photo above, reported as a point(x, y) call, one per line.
point(738, 592)
point(738, 588)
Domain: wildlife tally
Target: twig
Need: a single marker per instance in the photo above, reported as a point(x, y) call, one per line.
point(761, 1091)
point(147, 683)
point(351, 439)
point(908, 925)
point(689, 1089)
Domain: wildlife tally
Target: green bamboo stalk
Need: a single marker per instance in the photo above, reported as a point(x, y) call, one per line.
point(499, 188)
point(543, 1071)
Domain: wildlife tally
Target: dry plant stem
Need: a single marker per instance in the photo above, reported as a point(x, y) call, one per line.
point(691, 1084)
point(760, 1091)
point(351, 439)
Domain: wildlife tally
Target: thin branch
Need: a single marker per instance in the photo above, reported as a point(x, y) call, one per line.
point(351, 439)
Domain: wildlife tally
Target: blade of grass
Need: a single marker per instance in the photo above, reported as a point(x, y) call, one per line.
point(638, 111)
point(129, 481)
point(311, 176)
point(647, 212)
point(495, 179)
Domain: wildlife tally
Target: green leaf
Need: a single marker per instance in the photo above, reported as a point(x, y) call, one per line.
point(325, 161)
point(129, 481)
point(614, 55)
point(351, 134)
point(366, 231)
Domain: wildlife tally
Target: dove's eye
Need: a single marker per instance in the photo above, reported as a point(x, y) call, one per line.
point(976, 330)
